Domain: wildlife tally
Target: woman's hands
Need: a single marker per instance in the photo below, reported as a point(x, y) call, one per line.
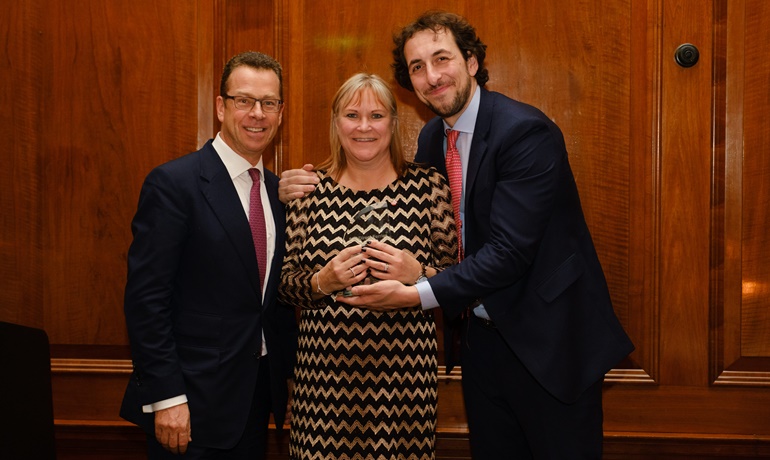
point(395, 268)
point(386, 262)
point(396, 271)
point(344, 270)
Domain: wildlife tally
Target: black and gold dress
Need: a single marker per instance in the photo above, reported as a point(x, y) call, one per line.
point(365, 382)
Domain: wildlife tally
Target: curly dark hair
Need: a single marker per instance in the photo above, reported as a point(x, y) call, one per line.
point(464, 34)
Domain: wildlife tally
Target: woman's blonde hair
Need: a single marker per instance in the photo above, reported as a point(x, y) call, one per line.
point(350, 92)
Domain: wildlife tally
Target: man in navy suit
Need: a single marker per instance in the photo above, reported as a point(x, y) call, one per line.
point(213, 351)
point(537, 326)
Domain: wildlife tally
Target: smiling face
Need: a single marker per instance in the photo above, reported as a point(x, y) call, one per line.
point(442, 79)
point(365, 128)
point(249, 132)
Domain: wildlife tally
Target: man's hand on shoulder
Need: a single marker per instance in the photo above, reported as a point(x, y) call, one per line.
point(296, 183)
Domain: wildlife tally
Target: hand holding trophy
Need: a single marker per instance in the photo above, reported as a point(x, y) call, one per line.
point(372, 222)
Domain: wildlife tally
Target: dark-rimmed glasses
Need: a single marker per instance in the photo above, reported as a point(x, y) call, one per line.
point(248, 103)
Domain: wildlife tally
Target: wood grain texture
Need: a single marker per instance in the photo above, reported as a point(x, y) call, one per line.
point(685, 171)
point(741, 350)
point(755, 237)
point(21, 64)
point(121, 83)
point(671, 163)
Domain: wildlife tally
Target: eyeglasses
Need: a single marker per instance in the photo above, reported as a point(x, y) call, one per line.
point(247, 103)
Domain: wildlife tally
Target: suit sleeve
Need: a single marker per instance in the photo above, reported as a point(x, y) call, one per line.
point(508, 210)
point(159, 228)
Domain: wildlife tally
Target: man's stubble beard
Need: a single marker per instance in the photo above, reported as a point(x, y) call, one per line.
point(457, 105)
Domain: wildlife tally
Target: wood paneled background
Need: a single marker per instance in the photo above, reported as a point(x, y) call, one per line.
point(673, 166)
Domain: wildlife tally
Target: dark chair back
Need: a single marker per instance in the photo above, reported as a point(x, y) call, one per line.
point(26, 402)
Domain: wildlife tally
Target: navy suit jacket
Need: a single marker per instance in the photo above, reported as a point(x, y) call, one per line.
point(529, 257)
point(193, 303)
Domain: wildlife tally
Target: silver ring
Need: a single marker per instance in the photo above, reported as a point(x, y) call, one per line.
point(386, 267)
point(351, 271)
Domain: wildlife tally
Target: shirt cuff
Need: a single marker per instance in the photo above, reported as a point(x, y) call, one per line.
point(427, 298)
point(165, 404)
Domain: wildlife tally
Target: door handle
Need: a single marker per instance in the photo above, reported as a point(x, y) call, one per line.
point(687, 55)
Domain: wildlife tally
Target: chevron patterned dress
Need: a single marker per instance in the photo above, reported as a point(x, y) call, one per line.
point(365, 382)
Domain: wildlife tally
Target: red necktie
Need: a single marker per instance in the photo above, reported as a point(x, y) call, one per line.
point(257, 224)
point(454, 169)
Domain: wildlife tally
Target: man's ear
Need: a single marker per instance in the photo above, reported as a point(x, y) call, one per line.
point(220, 108)
point(473, 64)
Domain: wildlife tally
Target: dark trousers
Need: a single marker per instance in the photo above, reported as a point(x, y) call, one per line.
point(510, 416)
point(253, 442)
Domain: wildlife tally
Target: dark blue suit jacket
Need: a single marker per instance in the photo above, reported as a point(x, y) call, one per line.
point(529, 255)
point(193, 303)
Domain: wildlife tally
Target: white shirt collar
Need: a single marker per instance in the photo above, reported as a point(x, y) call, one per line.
point(235, 164)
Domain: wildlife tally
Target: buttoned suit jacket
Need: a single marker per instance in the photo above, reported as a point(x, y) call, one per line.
point(529, 256)
point(193, 301)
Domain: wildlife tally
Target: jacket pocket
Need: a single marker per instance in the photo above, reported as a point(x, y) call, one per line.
point(198, 359)
point(561, 278)
point(198, 328)
point(198, 341)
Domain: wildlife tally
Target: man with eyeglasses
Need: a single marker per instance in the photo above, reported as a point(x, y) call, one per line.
point(213, 351)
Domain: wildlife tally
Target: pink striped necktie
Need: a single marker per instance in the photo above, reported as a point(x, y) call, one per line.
point(257, 224)
point(454, 169)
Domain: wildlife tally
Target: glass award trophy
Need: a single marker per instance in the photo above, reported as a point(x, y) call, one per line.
point(373, 222)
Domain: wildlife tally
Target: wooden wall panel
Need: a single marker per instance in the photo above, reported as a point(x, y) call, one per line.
point(755, 318)
point(741, 351)
point(671, 163)
point(685, 167)
point(121, 79)
point(21, 63)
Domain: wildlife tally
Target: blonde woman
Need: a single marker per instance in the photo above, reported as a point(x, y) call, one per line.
point(365, 381)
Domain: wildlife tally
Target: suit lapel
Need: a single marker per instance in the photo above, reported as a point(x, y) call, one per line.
point(436, 152)
point(219, 191)
point(479, 144)
point(279, 217)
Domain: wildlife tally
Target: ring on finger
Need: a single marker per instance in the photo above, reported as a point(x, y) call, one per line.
point(351, 271)
point(386, 267)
